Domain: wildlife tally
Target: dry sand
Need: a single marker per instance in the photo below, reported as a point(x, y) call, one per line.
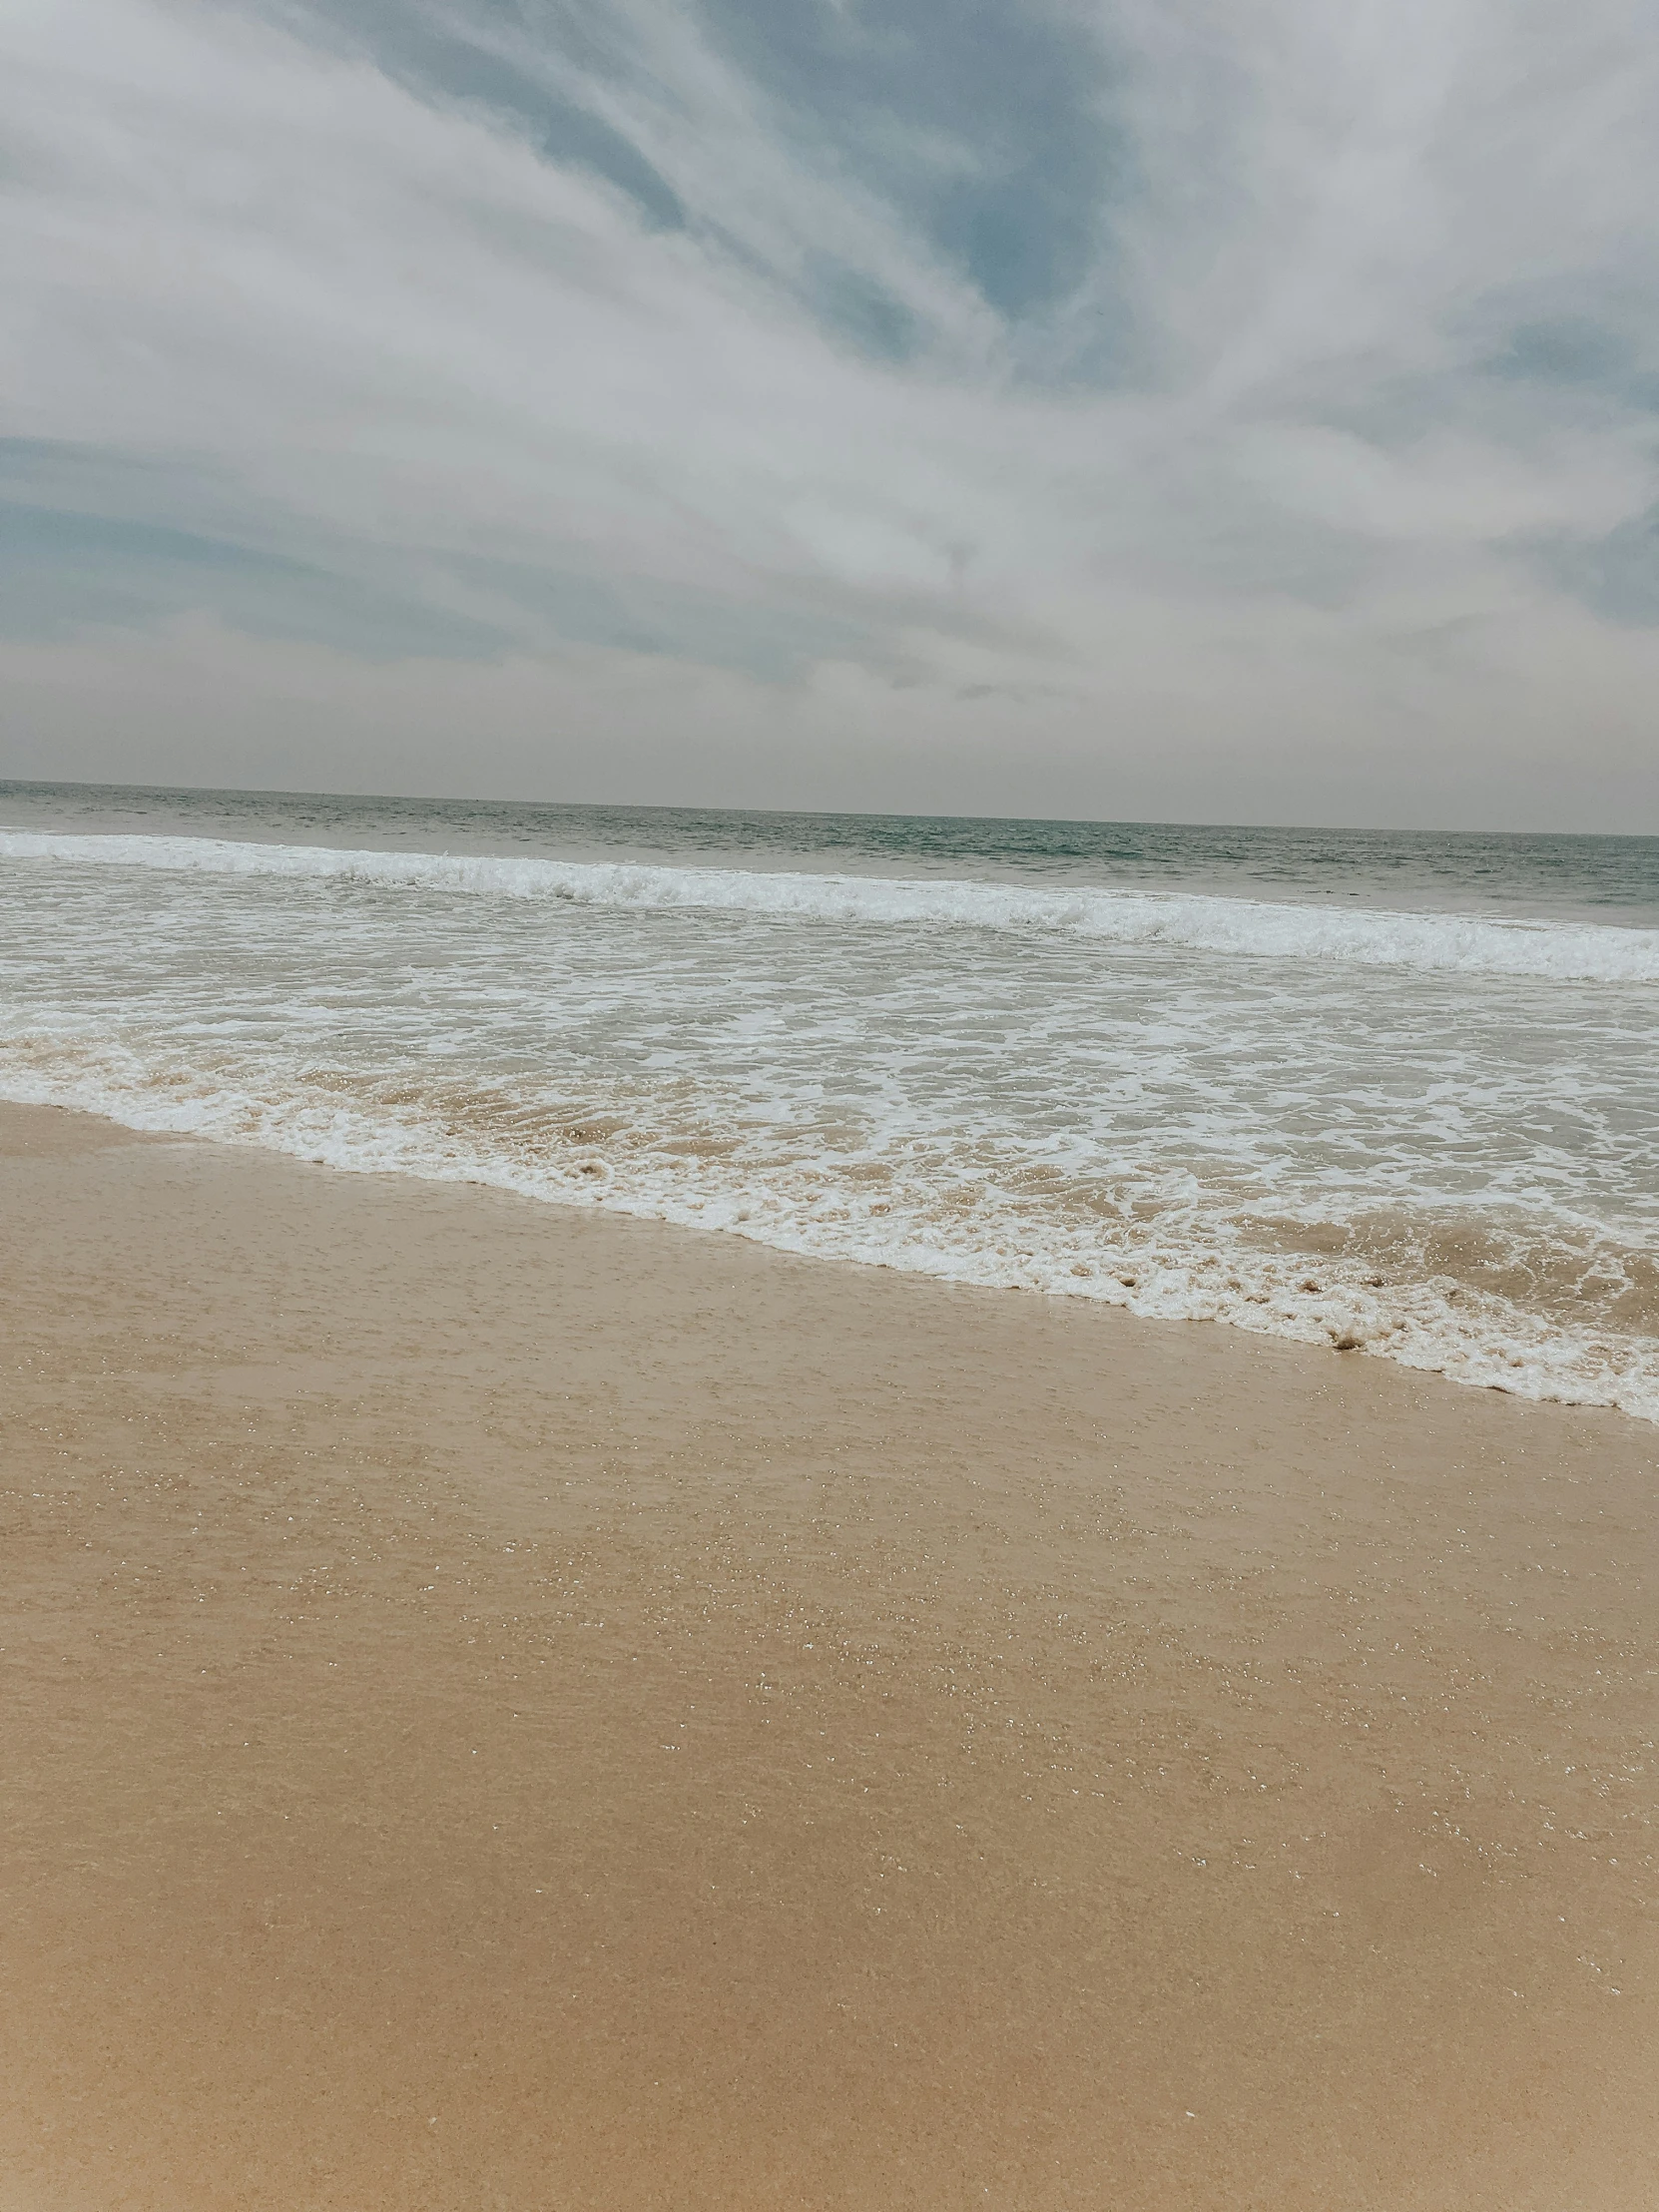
point(513, 1708)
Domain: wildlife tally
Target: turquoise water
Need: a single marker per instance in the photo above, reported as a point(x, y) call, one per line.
point(1399, 1092)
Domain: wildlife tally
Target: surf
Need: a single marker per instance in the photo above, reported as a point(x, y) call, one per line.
point(1245, 928)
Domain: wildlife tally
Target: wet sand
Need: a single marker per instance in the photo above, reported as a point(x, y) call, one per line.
point(511, 1710)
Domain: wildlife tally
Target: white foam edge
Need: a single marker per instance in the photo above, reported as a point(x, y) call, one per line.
point(1468, 1346)
point(1366, 936)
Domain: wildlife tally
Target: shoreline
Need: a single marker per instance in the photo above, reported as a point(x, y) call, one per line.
point(1513, 1350)
point(515, 1705)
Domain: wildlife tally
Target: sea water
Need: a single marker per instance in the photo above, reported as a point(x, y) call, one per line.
point(1396, 1093)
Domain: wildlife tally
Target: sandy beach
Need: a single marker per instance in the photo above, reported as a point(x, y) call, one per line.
point(513, 1708)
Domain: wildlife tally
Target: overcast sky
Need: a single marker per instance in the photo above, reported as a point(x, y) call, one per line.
point(1216, 409)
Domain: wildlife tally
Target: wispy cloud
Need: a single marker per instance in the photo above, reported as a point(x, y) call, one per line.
point(1172, 408)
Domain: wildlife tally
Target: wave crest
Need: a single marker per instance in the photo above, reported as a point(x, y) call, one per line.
point(1243, 927)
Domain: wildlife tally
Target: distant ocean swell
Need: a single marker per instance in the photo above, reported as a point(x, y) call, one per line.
point(1464, 1297)
point(1425, 942)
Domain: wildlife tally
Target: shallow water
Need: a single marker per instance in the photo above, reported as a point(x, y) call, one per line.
point(1397, 1092)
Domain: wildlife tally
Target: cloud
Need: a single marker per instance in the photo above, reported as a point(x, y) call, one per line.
point(1076, 402)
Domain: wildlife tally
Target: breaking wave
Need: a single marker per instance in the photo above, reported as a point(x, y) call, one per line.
point(1366, 937)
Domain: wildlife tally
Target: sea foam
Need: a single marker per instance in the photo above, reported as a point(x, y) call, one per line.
point(1245, 927)
point(1177, 1267)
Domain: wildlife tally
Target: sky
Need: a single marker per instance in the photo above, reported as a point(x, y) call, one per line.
point(1182, 409)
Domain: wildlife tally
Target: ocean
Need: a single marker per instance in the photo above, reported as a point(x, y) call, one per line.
point(1396, 1094)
